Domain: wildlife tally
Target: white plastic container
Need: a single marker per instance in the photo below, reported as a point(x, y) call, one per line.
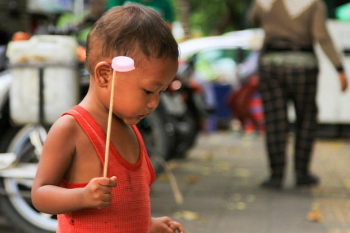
point(57, 56)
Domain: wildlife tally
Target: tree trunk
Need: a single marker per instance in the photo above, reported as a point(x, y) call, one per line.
point(184, 10)
point(235, 16)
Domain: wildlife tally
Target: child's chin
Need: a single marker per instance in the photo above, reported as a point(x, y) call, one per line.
point(132, 121)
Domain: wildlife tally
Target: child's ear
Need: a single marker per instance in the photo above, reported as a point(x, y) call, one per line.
point(103, 72)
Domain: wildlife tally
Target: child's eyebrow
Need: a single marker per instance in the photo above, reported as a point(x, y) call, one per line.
point(157, 83)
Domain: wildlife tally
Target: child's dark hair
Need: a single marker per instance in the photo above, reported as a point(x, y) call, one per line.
point(124, 30)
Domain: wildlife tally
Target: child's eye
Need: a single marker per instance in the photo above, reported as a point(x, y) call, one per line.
point(148, 92)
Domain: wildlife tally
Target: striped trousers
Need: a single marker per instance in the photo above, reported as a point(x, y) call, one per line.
point(278, 86)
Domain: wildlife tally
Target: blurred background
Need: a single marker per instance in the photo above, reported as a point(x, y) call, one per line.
point(209, 160)
point(196, 17)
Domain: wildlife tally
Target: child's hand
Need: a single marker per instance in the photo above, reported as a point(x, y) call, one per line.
point(98, 192)
point(165, 225)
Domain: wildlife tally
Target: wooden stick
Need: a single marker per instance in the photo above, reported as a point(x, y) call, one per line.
point(111, 101)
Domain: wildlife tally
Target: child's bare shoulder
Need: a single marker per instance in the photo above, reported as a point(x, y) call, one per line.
point(61, 140)
point(66, 126)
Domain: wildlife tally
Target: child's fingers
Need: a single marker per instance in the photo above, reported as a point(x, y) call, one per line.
point(103, 204)
point(112, 182)
point(102, 181)
point(98, 194)
point(173, 225)
point(107, 198)
point(177, 226)
point(106, 189)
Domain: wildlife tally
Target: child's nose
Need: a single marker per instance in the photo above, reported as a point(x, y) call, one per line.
point(153, 103)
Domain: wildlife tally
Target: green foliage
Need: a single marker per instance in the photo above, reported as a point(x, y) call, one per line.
point(219, 16)
point(206, 15)
point(216, 16)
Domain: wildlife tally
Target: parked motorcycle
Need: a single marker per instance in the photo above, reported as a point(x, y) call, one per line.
point(190, 121)
point(3, 59)
point(182, 110)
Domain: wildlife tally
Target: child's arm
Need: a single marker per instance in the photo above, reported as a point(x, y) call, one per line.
point(165, 225)
point(58, 152)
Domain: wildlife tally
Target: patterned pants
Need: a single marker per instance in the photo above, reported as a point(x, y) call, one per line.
point(278, 85)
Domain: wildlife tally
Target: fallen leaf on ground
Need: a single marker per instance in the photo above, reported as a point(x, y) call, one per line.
point(241, 172)
point(208, 157)
point(241, 206)
point(237, 197)
point(347, 183)
point(173, 165)
point(162, 178)
point(187, 215)
point(315, 214)
point(233, 149)
point(206, 171)
point(250, 198)
point(236, 206)
point(192, 179)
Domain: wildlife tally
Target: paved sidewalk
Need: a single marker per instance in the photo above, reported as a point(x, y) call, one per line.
point(220, 181)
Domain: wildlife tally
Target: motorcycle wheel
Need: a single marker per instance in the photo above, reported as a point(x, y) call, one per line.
point(187, 130)
point(159, 136)
point(17, 207)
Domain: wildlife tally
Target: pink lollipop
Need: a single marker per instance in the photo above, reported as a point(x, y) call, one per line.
point(120, 64)
point(123, 64)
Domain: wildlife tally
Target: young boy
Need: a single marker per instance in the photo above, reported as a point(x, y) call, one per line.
point(69, 181)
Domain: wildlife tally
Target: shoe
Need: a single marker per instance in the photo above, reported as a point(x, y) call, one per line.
point(272, 183)
point(307, 180)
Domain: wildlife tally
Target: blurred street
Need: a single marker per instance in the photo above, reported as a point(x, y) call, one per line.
point(220, 183)
point(220, 180)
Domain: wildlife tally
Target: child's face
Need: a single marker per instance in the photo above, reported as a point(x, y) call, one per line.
point(137, 92)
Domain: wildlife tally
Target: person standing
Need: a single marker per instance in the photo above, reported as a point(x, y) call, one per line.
point(288, 70)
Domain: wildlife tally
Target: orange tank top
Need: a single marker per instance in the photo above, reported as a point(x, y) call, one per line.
point(130, 208)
